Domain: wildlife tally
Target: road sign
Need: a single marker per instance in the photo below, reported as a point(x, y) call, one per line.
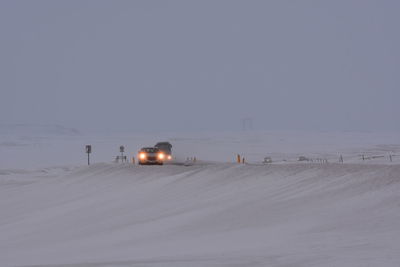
point(88, 151)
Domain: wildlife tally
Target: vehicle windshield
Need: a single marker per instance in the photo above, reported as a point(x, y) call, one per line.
point(150, 149)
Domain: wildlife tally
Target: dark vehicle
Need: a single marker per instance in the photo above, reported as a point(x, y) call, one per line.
point(151, 155)
point(166, 148)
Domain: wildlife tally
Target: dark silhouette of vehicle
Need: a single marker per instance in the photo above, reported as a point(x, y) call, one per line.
point(151, 155)
point(166, 148)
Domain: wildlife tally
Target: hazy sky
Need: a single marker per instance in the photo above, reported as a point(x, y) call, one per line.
point(201, 65)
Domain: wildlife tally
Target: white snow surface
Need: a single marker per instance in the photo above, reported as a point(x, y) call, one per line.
point(212, 213)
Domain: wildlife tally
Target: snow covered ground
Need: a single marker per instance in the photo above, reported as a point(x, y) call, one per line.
point(55, 211)
point(37, 147)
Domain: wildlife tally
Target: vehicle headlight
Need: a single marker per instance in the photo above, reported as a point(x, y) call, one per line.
point(169, 157)
point(142, 156)
point(161, 156)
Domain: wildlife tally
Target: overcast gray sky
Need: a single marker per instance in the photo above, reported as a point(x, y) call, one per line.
point(201, 65)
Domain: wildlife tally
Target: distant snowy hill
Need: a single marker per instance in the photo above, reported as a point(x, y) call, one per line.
point(36, 130)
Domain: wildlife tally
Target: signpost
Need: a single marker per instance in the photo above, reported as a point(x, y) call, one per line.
point(122, 149)
point(88, 151)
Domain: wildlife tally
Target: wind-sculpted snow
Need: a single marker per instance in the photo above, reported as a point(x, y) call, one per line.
point(202, 215)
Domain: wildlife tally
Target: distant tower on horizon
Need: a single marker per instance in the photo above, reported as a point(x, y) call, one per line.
point(247, 124)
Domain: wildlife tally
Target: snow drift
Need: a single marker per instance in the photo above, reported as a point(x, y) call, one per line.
point(203, 215)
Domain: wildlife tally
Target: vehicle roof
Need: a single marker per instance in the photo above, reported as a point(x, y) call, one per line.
point(163, 143)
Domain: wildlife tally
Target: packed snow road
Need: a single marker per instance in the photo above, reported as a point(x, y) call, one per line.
point(201, 215)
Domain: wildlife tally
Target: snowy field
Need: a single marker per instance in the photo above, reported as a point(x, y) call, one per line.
point(55, 211)
point(31, 147)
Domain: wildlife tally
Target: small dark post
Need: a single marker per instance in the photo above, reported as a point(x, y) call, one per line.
point(88, 151)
